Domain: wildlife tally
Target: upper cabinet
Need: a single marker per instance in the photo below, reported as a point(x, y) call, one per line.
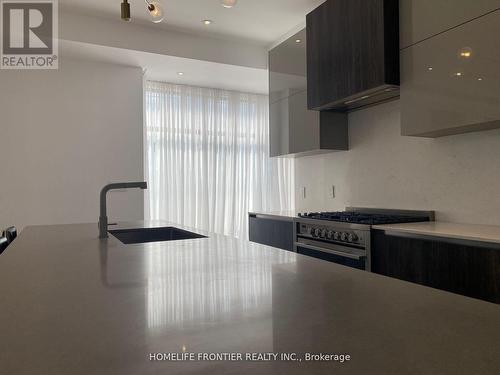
point(421, 19)
point(293, 129)
point(450, 82)
point(352, 54)
point(287, 68)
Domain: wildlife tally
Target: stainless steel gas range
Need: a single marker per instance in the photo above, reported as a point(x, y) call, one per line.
point(345, 237)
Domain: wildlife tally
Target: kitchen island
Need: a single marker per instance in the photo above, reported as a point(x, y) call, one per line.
point(74, 304)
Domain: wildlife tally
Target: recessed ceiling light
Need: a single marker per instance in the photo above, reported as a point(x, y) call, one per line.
point(228, 3)
point(479, 79)
point(180, 73)
point(430, 68)
point(298, 40)
point(207, 22)
point(458, 74)
point(465, 52)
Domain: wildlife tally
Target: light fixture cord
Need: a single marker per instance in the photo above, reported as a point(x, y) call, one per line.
point(150, 6)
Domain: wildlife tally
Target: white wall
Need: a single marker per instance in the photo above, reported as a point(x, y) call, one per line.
point(458, 176)
point(63, 135)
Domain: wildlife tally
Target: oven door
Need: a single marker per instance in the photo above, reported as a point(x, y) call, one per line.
point(344, 255)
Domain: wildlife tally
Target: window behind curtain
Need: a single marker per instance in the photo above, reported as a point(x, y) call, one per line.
point(207, 158)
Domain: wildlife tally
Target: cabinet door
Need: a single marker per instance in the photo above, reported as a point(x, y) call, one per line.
point(421, 19)
point(401, 258)
point(287, 67)
point(470, 270)
point(271, 232)
point(279, 135)
point(449, 83)
point(304, 125)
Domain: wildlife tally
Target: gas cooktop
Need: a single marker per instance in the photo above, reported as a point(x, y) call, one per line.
point(366, 218)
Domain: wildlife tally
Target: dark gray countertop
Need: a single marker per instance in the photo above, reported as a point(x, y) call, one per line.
point(74, 304)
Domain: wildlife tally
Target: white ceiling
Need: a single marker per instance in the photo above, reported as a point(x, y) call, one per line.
point(165, 68)
point(260, 21)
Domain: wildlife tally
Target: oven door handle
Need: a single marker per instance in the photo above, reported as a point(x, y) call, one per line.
point(335, 252)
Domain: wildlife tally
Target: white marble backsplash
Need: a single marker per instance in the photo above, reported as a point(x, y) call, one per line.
point(458, 176)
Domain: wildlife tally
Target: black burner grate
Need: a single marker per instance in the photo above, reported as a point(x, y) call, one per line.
point(363, 218)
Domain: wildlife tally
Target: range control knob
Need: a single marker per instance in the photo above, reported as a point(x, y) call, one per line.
point(311, 231)
point(336, 236)
point(322, 233)
point(329, 234)
point(352, 237)
point(344, 236)
point(317, 232)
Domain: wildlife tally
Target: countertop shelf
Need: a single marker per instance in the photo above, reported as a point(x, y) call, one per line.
point(467, 232)
point(278, 215)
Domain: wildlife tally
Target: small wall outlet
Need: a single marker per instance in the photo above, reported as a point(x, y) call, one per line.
point(332, 192)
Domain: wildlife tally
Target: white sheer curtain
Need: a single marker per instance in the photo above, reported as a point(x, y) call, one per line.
point(207, 158)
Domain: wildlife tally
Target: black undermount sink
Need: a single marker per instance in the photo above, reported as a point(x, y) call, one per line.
point(143, 235)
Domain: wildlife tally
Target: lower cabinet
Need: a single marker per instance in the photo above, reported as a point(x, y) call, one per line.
point(272, 232)
point(470, 269)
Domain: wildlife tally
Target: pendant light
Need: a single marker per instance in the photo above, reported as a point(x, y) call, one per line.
point(155, 11)
point(228, 3)
point(126, 11)
point(153, 7)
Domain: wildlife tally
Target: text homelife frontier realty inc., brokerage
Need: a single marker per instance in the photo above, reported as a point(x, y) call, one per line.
point(249, 357)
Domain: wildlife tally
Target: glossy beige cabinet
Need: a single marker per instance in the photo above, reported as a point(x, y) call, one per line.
point(294, 130)
point(450, 83)
point(421, 19)
point(287, 68)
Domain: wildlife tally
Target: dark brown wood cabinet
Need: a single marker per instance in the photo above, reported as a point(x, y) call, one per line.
point(270, 231)
point(352, 53)
point(467, 268)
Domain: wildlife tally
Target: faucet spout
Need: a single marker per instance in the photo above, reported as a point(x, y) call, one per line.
point(103, 217)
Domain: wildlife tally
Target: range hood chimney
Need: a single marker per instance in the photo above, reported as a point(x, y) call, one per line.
point(352, 54)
